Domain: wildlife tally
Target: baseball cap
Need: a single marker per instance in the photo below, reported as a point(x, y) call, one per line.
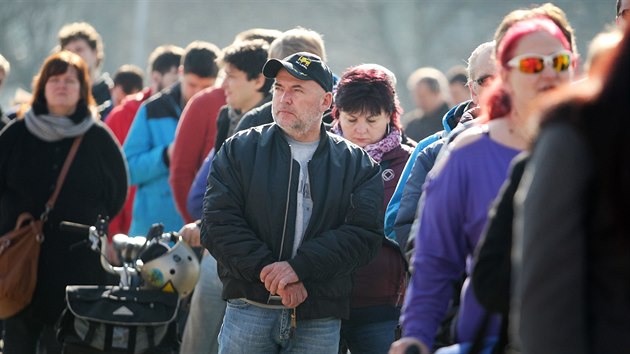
point(303, 66)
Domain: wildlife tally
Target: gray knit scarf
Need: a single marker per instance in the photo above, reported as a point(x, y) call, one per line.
point(54, 128)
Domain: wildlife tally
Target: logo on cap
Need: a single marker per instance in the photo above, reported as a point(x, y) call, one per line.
point(304, 61)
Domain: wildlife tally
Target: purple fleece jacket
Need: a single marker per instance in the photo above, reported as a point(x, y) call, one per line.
point(457, 197)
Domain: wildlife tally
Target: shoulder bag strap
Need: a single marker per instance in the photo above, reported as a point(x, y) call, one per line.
point(62, 176)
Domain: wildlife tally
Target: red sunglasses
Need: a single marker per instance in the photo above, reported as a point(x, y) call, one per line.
point(534, 63)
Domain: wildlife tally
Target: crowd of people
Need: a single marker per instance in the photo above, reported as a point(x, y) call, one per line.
point(490, 218)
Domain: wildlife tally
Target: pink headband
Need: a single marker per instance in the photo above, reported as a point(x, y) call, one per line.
point(522, 28)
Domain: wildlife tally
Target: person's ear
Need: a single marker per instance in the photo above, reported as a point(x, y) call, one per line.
point(327, 101)
point(473, 95)
point(259, 81)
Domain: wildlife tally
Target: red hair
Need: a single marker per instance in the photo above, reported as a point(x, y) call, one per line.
point(497, 102)
point(369, 90)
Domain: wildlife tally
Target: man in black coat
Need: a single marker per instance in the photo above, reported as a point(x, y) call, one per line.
point(289, 213)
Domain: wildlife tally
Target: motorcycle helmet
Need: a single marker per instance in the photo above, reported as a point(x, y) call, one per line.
point(169, 268)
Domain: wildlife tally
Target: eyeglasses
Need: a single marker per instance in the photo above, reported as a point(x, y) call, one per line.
point(535, 63)
point(484, 80)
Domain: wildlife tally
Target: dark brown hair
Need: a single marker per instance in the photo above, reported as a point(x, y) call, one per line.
point(129, 77)
point(367, 91)
point(58, 64)
point(82, 31)
point(249, 57)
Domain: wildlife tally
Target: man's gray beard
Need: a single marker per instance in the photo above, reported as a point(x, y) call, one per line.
point(300, 128)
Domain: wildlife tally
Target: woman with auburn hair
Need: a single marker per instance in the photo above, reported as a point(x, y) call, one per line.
point(32, 152)
point(533, 57)
point(571, 240)
point(367, 113)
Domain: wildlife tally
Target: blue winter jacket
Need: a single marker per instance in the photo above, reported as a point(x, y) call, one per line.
point(449, 121)
point(152, 131)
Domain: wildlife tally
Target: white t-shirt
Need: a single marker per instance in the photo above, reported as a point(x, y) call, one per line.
point(302, 153)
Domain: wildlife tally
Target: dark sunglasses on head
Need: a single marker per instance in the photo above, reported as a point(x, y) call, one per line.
point(535, 63)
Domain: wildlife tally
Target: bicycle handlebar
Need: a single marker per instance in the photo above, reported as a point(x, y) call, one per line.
point(127, 248)
point(98, 242)
point(74, 228)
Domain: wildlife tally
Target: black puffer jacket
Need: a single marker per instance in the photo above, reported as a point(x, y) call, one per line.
point(252, 191)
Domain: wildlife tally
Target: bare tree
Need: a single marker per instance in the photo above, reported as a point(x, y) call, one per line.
point(28, 35)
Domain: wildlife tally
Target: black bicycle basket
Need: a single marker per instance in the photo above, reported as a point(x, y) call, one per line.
point(110, 319)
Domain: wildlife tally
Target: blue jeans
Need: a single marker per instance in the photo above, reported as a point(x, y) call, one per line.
point(206, 311)
point(370, 330)
point(370, 338)
point(251, 329)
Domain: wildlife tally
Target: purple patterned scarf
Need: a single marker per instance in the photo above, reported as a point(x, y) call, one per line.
point(378, 149)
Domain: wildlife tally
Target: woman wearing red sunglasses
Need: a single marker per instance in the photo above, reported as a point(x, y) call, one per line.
point(533, 56)
point(571, 238)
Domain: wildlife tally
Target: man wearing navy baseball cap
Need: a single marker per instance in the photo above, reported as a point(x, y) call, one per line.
point(300, 115)
point(289, 213)
point(304, 66)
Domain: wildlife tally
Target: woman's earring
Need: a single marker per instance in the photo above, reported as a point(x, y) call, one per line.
point(388, 127)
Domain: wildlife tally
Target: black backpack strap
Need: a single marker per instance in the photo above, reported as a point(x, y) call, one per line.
point(109, 334)
point(501, 345)
point(131, 344)
point(151, 336)
point(90, 333)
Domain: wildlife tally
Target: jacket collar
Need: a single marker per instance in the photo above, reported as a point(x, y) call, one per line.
point(324, 137)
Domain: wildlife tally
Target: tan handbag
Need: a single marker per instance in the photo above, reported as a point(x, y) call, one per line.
point(19, 251)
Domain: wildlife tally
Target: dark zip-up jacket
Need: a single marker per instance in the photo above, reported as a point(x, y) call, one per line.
point(249, 217)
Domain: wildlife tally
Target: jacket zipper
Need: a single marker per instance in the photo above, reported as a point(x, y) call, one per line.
point(286, 209)
point(293, 314)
